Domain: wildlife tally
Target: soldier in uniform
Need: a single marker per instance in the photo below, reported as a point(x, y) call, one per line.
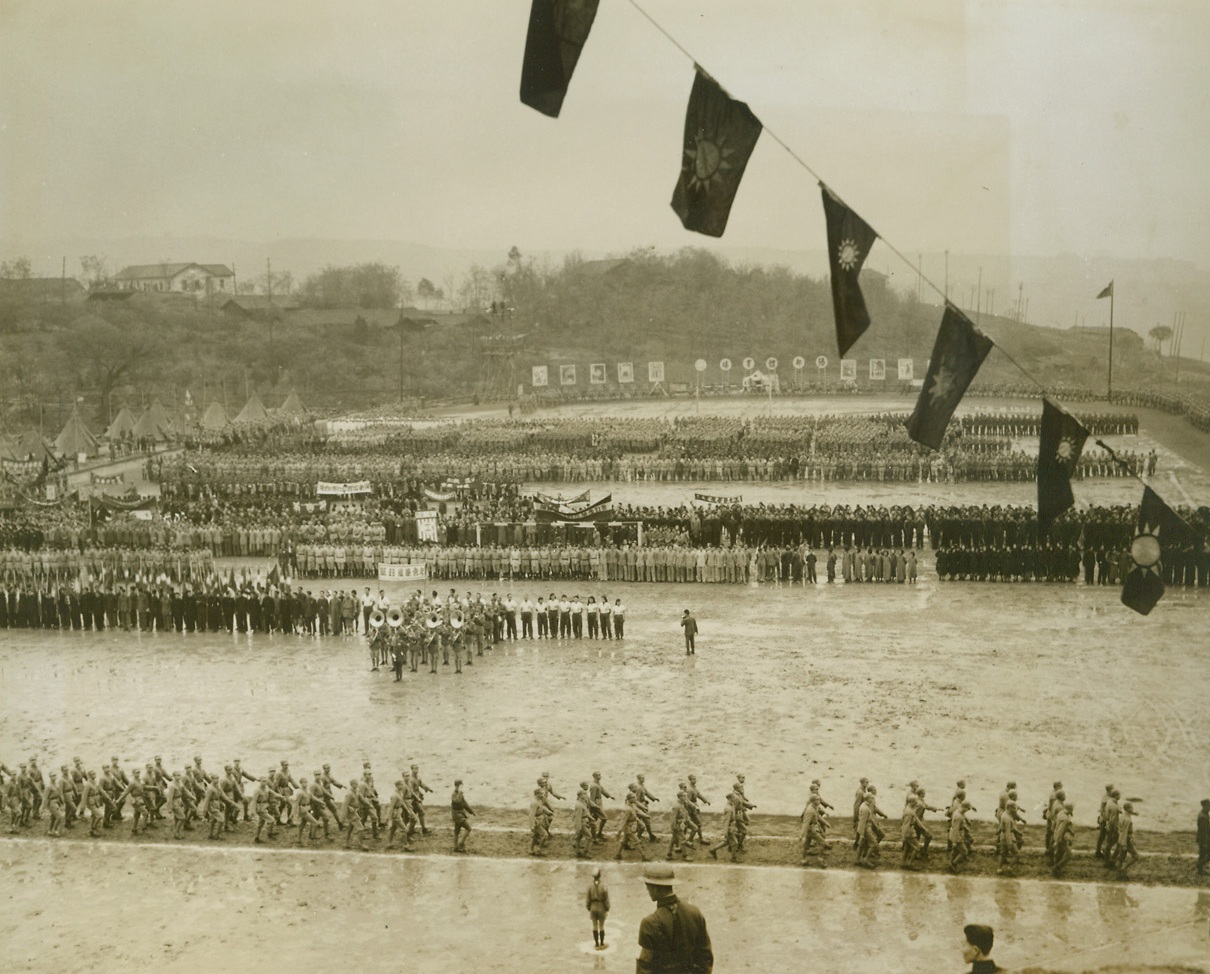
point(1062, 837)
point(629, 830)
point(1102, 825)
point(1126, 855)
point(729, 827)
point(539, 831)
point(597, 903)
point(681, 824)
point(55, 803)
point(597, 792)
point(418, 789)
point(263, 799)
point(644, 797)
point(400, 814)
point(460, 809)
point(355, 810)
point(1203, 837)
point(959, 848)
point(813, 828)
point(673, 938)
point(692, 797)
point(581, 823)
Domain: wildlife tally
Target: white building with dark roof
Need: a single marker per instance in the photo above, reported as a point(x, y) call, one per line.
point(188, 278)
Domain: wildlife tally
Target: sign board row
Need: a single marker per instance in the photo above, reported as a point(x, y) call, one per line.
point(598, 371)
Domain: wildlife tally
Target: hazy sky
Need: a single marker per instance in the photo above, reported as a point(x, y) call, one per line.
point(988, 126)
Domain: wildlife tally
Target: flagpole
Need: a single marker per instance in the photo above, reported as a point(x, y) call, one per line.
point(1110, 383)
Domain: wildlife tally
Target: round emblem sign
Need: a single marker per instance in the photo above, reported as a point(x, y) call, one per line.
point(821, 362)
point(749, 363)
point(799, 361)
point(700, 365)
point(725, 365)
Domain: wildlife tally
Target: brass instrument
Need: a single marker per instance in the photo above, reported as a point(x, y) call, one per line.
point(433, 621)
point(394, 618)
point(457, 620)
point(377, 619)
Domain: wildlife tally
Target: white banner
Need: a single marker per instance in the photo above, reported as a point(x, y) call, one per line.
point(325, 487)
point(567, 375)
point(625, 372)
point(396, 573)
point(540, 377)
point(426, 525)
point(596, 373)
point(655, 371)
point(905, 370)
point(877, 369)
point(848, 370)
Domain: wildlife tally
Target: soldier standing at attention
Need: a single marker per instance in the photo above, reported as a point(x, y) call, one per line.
point(460, 809)
point(674, 936)
point(597, 903)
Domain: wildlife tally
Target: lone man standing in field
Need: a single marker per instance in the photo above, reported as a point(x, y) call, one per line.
point(597, 903)
point(689, 624)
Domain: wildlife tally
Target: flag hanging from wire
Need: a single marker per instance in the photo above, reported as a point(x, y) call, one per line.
point(1159, 529)
point(958, 352)
point(1062, 439)
point(557, 32)
point(1106, 292)
point(720, 134)
point(849, 242)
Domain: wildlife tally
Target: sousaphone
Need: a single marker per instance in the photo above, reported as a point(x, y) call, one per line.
point(457, 620)
point(394, 618)
point(377, 619)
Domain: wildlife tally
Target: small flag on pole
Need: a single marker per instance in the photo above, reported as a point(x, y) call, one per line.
point(1159, 527)
point(1062, 439)
point(557, 32)
point(849, 241)
point(1106, 292)
point(720, 134)
point(958, 352)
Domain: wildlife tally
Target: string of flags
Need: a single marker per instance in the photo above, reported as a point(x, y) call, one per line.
point(719, 137)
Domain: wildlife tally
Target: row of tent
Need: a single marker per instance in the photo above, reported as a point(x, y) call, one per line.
point(154, 423)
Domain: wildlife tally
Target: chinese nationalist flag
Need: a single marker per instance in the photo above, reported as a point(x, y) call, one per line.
point(849, 241)
point(720, 134)
point(958, 352)
point(1106, 291)
point(1159, 527)
point(1061, 442)
point(557, 32)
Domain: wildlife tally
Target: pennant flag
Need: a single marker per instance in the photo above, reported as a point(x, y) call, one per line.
point(958, 352)
point(849, 241)
point(1107, 292)
point(720, 134)
point(1159, 527)
point(557, 32)
point(1062, 440)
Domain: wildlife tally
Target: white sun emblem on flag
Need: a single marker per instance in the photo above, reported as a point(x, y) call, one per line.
point(847, 254)
point(1145, 549)
point(708, 161)
point(1065, 450)
point(943, 383)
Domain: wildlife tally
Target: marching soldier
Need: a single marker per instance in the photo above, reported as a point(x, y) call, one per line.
point(597, 792)
point(813, 828)
point(460, 809)
point(1062, 837)
point(730, 840)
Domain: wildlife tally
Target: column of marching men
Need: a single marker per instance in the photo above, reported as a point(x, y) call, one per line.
point(197, 798)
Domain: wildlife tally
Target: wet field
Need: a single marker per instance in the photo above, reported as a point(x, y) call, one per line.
point(93, 909)
point(937, 681)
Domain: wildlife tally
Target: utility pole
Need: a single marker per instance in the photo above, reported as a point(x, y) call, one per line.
point(979, 295)
point(63, 284)
point(947, 275)
point(1020, 299)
